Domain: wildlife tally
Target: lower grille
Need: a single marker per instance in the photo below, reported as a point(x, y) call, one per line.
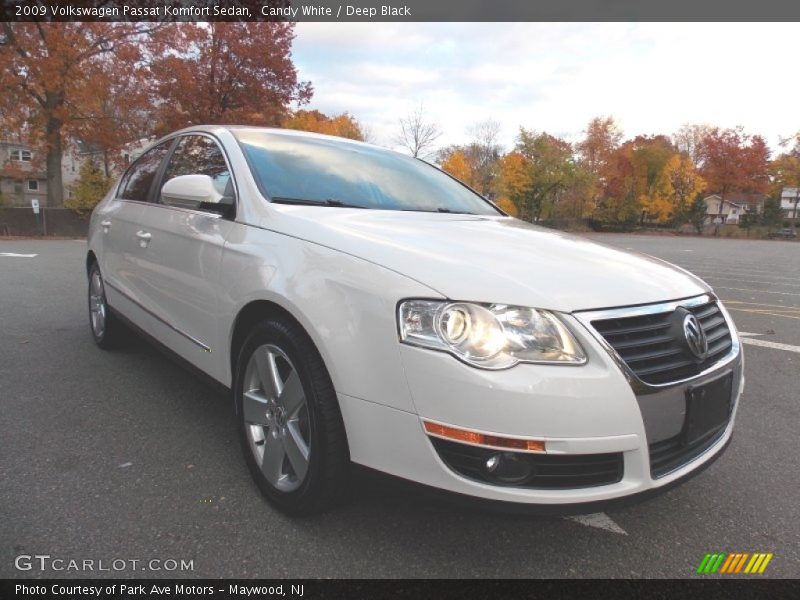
point(668, 455)
point(544, 471)
point(654, 345)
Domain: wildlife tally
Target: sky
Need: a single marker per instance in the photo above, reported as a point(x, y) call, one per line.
point(554, 77)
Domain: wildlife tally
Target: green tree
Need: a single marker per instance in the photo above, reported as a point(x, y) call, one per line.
point(696, 214)
point(89, 189)
point(550, 170)
point(772, 215)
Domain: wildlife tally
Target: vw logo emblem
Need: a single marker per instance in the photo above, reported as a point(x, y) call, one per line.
point(695, 336)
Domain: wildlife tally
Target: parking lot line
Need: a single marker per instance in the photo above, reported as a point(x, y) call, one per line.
point(719, 287)
point(781, 306)
point(709, 271)
point(599, 521)
point(765, 312)
point(720, 278)
point(774, 345)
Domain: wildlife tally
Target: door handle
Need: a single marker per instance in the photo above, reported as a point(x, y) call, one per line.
point(144, 238)
point(106, 225)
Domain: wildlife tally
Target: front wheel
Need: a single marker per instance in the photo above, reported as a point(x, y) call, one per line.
point(290, 426)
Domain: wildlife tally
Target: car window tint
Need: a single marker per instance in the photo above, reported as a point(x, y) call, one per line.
point(315, 169)
point(140, 176)
point(199, 155)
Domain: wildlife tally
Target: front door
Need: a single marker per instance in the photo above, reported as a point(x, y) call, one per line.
point(179, 266)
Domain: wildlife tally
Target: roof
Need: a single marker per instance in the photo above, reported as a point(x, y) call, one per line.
point(22, 175)
point(275, 130)
point(741, 198)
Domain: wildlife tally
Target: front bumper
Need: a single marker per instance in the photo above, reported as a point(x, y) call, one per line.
point(587, 410)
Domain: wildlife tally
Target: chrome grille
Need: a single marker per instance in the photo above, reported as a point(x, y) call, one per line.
point(654, 347)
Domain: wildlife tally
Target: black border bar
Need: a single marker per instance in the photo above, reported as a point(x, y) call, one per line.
point(707, 588)
point(402, 10)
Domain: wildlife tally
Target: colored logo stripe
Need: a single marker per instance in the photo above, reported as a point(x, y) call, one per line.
point(720, 562)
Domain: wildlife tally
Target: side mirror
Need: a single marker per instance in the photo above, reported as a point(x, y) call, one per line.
point(195, 191)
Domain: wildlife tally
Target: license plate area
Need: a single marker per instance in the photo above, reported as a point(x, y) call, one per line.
point(708, 408)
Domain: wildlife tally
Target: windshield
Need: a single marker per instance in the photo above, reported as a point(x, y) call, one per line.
point(329, 172)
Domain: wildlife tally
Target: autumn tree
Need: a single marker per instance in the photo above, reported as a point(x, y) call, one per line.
point(683, 184)
point(785, 172)
point(342, 125)
point(618, 205)
point(689, 141)
point(92, 184)
point(515, 182)
point(49, 73)
point(118, 114)
point(602, 137)
point(457, 164)
point(733, 161)
point(649, 158)
point(418, 134)
point(227, 72)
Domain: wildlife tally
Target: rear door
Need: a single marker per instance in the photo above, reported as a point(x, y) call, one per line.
point(178, 266)
point(119, 225)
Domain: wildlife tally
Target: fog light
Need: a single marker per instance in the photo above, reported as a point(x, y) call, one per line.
point(509, 468)
point(492, 463)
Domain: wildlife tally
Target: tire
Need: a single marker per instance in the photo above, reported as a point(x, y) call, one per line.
point(289, 422)
point(107, 330)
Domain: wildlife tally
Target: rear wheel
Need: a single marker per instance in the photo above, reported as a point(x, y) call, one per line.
point(107, 331)
point(290, 426)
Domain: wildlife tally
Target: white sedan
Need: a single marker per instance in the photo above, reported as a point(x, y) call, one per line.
point(365, 307)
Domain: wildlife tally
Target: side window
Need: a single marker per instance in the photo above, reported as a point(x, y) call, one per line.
point(139, 178)
point(199, 155)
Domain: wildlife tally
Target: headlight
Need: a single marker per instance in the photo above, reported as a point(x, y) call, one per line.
point(492, 336)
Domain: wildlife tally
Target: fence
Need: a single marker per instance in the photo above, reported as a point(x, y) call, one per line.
point(59, 222)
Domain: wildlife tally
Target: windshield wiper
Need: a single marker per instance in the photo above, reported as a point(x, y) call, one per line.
point(454, 212)
point(305, 202)
point(439, 210)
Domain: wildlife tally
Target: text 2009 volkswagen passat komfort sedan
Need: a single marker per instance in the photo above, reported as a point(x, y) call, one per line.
point(365, 307)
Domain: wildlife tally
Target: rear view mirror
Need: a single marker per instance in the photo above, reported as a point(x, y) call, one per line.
point(195, 191)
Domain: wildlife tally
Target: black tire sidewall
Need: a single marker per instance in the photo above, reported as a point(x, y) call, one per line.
point(288, 338)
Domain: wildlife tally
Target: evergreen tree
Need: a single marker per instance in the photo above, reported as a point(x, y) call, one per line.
point(89, 189)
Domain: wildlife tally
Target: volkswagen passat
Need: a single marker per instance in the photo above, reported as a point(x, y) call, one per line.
point(365, 307)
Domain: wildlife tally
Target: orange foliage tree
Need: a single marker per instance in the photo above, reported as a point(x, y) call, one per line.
point(49, 74)
point(457, 164)
point(734, 161)
point(343, 125)
point(226, 73)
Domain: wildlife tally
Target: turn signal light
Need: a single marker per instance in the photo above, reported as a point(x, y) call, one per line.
point(483, 439)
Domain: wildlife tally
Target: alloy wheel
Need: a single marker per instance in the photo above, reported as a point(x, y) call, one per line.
point(276, 418)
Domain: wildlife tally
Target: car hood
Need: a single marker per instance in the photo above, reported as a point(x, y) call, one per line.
point(491, 259)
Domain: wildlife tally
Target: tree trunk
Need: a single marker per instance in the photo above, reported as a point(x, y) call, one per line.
point(55, 151)
point(55, 187)
point(719, 214)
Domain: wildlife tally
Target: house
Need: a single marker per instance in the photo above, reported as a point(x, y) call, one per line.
point(790, 201)
point(21, 180)
point(734, 205)
point(23, 177)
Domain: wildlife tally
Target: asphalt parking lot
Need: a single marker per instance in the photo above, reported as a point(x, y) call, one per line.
point(125, 455)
